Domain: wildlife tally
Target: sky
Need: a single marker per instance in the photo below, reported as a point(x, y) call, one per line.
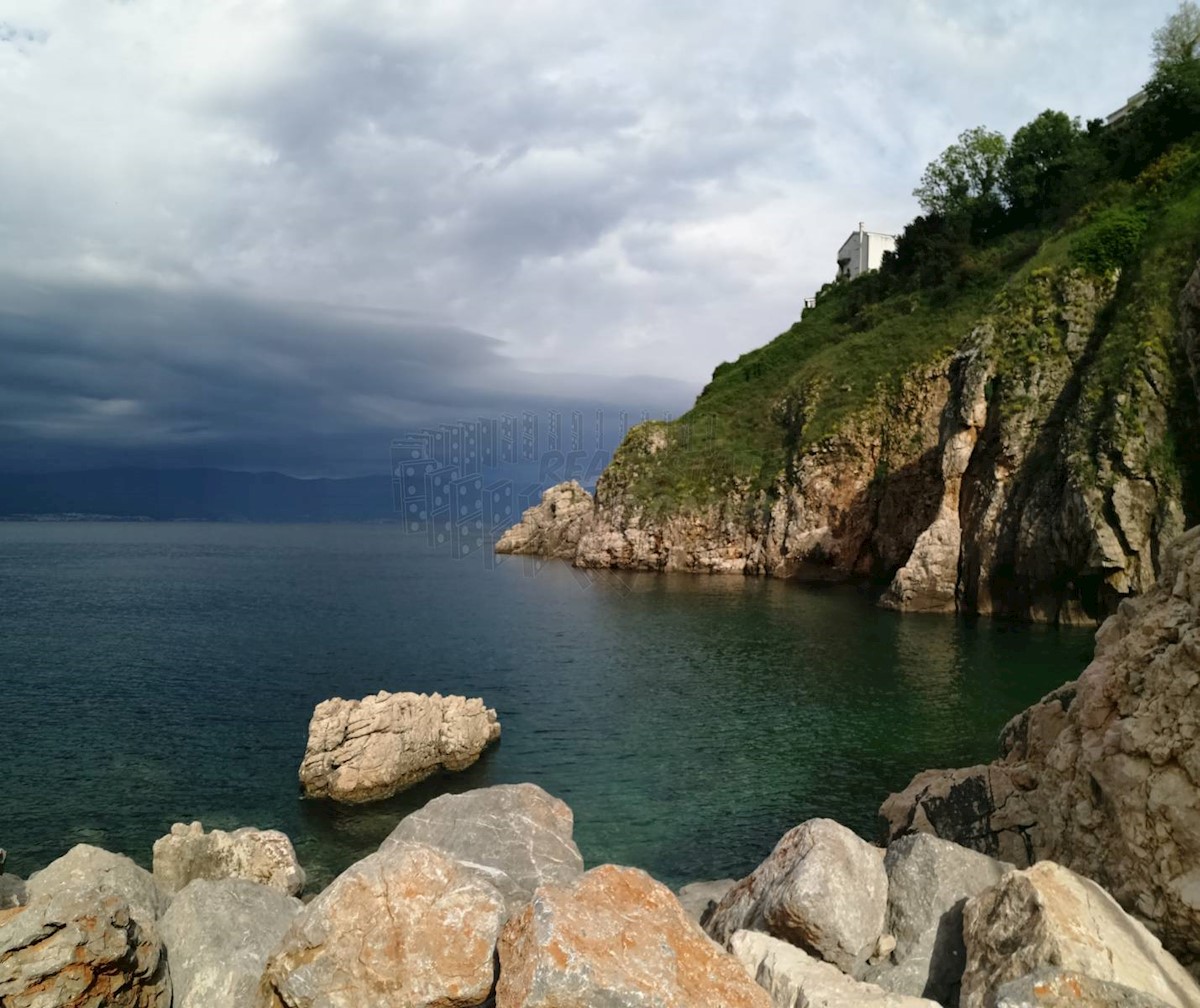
point(264, 234)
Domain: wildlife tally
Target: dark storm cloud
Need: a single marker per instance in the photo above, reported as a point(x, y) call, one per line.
point(100, 375)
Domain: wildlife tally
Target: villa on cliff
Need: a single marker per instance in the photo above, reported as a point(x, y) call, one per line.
point(863, 251)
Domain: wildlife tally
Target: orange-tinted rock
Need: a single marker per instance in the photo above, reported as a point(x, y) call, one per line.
point(616, 937)
point(406, 927)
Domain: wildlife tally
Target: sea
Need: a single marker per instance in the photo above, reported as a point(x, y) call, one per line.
point(153, 673)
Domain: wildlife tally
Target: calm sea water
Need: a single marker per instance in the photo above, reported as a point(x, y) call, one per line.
point(154, 673)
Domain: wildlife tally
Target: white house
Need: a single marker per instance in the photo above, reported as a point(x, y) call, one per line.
point(863, 251)
point(1136, 101)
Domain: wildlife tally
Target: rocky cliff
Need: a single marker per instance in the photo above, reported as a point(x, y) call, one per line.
point(1030, 458)
point(1103, 774)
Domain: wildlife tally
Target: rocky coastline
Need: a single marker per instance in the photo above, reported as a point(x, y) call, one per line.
point(981, 483)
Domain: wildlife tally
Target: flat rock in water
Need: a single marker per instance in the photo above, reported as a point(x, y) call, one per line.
point(822, 888)
point(794, 979)
point(406, 927)
point(364, 750)
point(516, 836)
point(81, 948)
point(929, 883)
point(1049, 916)
point(1057, 988)
point(263, 856)
point(615, 938)
point(218, 936)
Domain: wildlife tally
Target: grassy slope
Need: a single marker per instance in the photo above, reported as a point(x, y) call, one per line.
point(835, 362)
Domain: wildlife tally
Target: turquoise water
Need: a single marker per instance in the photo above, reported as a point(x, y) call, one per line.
point(153, 673)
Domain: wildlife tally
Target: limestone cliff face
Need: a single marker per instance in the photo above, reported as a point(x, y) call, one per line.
point(1102, 775)
point(1021, 473)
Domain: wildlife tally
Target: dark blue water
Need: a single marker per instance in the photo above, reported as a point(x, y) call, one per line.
point(151, 673)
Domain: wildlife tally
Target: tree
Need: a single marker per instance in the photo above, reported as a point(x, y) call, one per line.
point(1038, 160)
point(1178, 40)
point(967, 173)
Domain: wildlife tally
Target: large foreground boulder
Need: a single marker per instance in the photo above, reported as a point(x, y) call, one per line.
point(794, 979)
point(516, 836)
point(263, 856)
point(406, 927)
point(218, 935)
point(1049, 916)
point(81, 948)
point(618, 939)
point(929, 883)
point(85, 867)
point(364, 750)
point(1103, 775)
point(822, 889)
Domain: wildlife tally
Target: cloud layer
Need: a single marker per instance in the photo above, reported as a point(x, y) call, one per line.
point(231, 226)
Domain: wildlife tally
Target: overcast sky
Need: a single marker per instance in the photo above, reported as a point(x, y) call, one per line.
point(270, 234)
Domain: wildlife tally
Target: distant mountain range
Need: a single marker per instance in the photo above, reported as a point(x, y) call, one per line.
point(195, 495)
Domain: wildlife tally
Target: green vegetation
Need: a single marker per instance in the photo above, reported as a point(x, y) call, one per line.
point(1004, 225)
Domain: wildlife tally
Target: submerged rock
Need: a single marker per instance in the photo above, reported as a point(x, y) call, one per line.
point(617, 938)
point(406, 927)
point(218, 936)
point(515, 836)
point(822, 888)
point(363, 750)
point(1049, 916)
point(794, 979)
point(263, 856)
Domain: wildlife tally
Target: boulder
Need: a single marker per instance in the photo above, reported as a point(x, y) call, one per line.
point(1103, 774)
point(822, 888)
point(516, 836)
point(81, 948)
point(363, 750)
point(617, 938)
point(1049, 916)
point(699, 899)
point(794, 979)
point(85, 867)
point(929, 883)
point(553, 526)
point(1058, 988)
point(218, 936)
point(12, 892)
point(406, 927)
point(263, 856)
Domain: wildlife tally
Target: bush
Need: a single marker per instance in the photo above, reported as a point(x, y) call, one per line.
point(1109, 242)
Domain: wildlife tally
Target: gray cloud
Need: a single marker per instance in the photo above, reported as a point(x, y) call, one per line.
point(605, 191)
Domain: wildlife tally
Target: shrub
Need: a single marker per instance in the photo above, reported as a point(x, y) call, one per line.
point(1109, 242)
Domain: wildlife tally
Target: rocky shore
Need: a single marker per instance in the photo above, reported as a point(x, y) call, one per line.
point(483, 899)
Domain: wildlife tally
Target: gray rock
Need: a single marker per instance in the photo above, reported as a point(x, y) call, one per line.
point(263, 856)
point(515, 836)
point(822, 888)
point(1057, 988)
point(701, 898)
point(12, 892)
point(794, 979)
point(1049, 916)
point(929, 882)
point(219, 935)
point(81, 948)
point(87, 867)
